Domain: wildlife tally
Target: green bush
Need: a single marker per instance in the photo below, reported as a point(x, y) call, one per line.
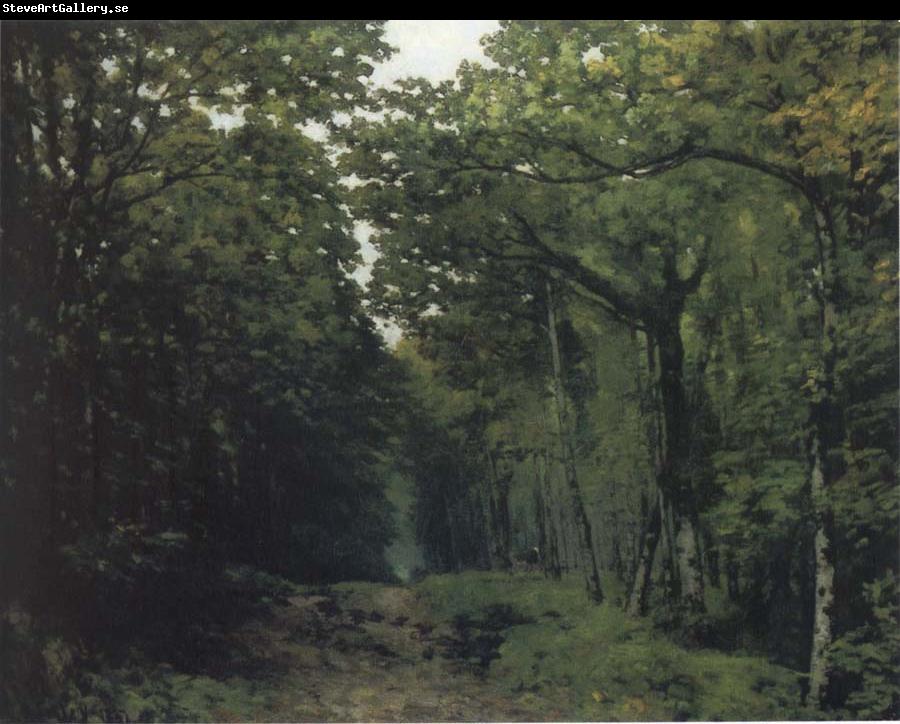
point(866, 676)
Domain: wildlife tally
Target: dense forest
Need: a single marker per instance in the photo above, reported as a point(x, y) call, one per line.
point(643, 277)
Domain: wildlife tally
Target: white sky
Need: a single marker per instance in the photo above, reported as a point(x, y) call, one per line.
point(431, 48)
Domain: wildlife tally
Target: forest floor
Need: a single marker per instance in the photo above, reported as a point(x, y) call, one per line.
point(364, 653)
point(468, 647)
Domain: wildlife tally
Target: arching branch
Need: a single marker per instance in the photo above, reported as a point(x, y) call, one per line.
point(624, 305)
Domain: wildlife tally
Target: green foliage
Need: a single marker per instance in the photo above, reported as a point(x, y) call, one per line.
point(726, 188)
point(140, 615)
point(704, 213)
point(866, 661)
point(192, 377)
point(34, 664)
point(187, 350)
point(625, 671)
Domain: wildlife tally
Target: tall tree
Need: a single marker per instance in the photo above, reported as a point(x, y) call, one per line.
point(595, 104)
point(195, 272)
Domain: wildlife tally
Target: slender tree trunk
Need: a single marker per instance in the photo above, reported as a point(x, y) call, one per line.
point(501, 524)
point(452, 532)
point(549, 548)
point(137, 437)
point(826, 432)
point(712, 561)
point(617, 562)
point(640, 588)
point(487, 523)
point(732, 574)
point(541, 525)
point(670, 570)
point(819, 662)
point(53, 487)
point(659, 523)
point(568, 563)
point(174, 513)
point(690, 564)
point(585, 539)
point(504, 520)
point(99, 497)
point(555, 513)
point(645, 546)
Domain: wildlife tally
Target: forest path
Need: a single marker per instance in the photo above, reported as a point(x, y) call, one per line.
point(376, 653)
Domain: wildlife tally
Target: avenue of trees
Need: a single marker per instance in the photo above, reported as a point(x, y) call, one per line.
point(649, 271)
point(646, 274)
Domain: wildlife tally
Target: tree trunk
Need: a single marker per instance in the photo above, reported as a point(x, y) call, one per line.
point(501, 526)
point(652, 527)
point(504, 521)
point(732, 573)
point(825, 434)
point(690, 564)
point(549, 547)
point(172, 417)
point(672, 516)
point(675, 481)
point(556, 513)
point(617, 562)
point(455, 563)
point(712, 561)
point(567, 562)
point(669, 558)
point(99, 493)
point(819, 662)
point(582, 523)
point(486, 504)
point(640, 588)
point(541, 525)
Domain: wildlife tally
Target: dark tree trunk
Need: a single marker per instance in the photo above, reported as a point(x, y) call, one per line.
point(675, 480)
point(582, 523)
point(544, 500)
point(501, 523)
point(732, 574)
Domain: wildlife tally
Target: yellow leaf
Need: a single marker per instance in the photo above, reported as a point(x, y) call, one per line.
point(598, 696)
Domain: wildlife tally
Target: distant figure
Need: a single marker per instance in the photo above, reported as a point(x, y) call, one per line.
point(527, 562)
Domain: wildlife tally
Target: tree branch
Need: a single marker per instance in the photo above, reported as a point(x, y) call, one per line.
point(579, 273)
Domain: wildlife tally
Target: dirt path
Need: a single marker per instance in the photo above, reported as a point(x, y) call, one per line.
point(375, 654)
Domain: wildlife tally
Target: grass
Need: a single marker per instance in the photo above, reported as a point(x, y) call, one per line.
point(559, 657)
point(613, 667)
